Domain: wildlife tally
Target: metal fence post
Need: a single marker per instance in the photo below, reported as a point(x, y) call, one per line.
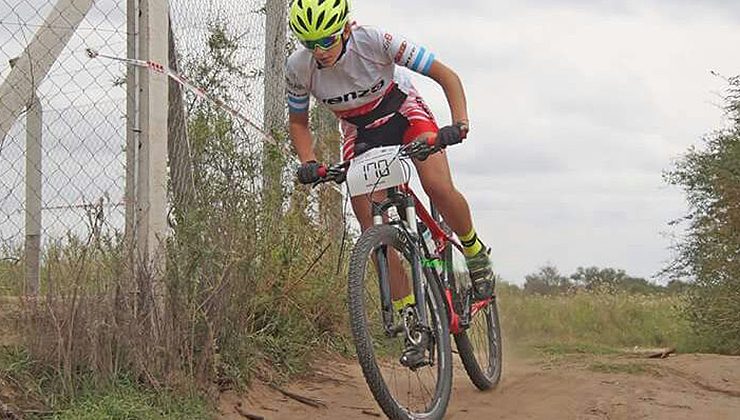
point(133, 98)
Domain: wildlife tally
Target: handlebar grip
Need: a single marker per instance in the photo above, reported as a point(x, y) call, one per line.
point(432, 140)
point(322, 171)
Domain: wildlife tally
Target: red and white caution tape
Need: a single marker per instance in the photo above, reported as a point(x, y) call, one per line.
point(182, 80)
point(201, 93)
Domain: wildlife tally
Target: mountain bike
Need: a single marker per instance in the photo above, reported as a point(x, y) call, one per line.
point(429, 256)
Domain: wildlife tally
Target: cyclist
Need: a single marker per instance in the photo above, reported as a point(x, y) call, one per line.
point(352, 70)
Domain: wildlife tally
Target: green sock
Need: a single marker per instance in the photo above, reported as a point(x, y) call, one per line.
point(471, 244)
point(403, 302)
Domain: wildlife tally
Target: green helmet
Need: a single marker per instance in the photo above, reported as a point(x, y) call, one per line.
point(315, 19)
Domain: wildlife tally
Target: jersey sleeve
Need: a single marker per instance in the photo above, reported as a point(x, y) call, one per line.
point(297, 93)
point(402, 51)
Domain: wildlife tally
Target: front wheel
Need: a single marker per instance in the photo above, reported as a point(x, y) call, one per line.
point(402, 392)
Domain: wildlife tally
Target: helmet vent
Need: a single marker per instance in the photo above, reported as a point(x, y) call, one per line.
point(321, 2)
point(300, 4)
point(309, 15)
point(336, 3)
point(331, 21)
point(302, 23)
point(320, 19)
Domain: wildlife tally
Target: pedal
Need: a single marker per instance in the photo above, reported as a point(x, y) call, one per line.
point(464, 322)
point(414, 358)
point(394, 331)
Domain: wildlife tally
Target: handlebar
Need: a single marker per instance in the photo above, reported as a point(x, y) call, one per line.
point(420, 149)
point(336, 173)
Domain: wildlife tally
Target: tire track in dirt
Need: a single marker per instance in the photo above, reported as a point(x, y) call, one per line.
point(680, 387)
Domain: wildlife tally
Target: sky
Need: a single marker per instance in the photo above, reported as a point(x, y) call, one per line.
point(577, 109)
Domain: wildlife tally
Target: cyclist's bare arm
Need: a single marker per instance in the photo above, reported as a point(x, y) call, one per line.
point(300, 134)
point(453, 89)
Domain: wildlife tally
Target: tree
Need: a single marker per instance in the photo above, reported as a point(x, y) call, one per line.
point(546, 281)
point(594, 278)
point(612, 280)
point(710, 252)
point(677, 287)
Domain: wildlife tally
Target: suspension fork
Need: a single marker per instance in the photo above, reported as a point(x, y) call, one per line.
point(418, 279)
point(384, 276)
point(381, 256)
point(408, 212)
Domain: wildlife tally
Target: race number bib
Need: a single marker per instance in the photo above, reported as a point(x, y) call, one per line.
point(376, 170)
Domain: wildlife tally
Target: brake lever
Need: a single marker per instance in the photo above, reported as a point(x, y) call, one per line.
point(339, 172)
point(335, 173)
point(419, 150)
point(340, 177)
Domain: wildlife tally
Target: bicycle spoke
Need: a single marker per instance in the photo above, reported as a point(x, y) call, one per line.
point(480, 348)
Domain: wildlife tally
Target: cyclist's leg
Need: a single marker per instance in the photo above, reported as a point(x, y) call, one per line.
point(436, 179)
point(400, 285)
point(361, 205)
point(434, 172)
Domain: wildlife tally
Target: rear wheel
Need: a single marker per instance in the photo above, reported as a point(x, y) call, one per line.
point(402, 392)
point(479, 346)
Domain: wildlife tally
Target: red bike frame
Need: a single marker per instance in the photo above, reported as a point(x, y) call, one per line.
point(441, 241)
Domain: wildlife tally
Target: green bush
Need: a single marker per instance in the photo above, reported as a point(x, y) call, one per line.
point(710, 251)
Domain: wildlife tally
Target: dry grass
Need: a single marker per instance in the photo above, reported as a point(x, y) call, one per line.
point(595, 320)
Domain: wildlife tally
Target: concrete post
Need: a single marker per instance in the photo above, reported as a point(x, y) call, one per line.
point(33, 196)
point(151, 163)
point(274, 94)
point(133, 98)
point(275, 37)
point(33, 65)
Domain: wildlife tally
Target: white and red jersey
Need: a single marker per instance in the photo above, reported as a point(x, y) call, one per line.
point(361, 76)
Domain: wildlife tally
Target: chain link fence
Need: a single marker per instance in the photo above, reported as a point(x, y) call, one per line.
point(83, 176)
point(219, 45)
point(64, 145)
point(63, 139)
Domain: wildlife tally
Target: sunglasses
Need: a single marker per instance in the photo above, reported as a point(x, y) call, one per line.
point(325, 43)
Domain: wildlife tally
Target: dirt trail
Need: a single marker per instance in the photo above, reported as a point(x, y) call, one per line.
point(536, 387)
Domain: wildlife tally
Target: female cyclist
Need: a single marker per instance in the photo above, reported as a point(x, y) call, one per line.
point(352, 70)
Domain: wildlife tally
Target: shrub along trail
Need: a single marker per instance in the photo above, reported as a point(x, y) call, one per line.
point(551, 383)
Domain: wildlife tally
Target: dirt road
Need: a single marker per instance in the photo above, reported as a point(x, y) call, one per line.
point(563, 386)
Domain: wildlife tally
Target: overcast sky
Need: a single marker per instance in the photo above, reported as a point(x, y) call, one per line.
point(577, 107)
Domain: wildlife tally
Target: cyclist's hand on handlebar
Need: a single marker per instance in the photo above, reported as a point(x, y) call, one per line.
point(310, 172)
point(422, 147)
point(451, 134)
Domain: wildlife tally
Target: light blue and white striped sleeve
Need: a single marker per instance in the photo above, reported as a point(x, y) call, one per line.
point(298, 96)
point(407, 54)
point(417, 58)
point(297, 103)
